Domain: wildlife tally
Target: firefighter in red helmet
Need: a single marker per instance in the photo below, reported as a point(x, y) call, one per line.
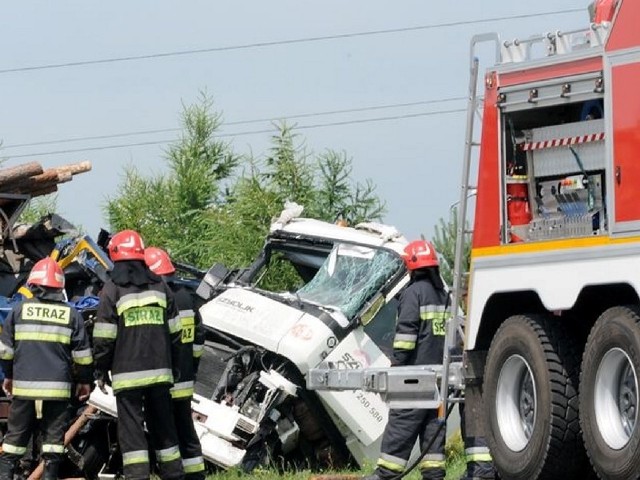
point(191, 348)
point(44, 351)
point(136, 337)
point(419, 340)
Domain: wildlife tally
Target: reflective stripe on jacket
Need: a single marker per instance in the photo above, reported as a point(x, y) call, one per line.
point(420, 329)
point(41, 346)
point(136, 334)
point(191, 342)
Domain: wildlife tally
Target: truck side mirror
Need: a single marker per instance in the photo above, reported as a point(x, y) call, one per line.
point(214, 277)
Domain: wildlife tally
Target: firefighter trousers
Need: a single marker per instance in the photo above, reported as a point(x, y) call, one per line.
point(404, 427)
point(190, 448)
point(477, 455)
point(21, 426)
point(153, 406)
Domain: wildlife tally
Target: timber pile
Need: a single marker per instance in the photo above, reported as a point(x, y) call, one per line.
point(31, 179)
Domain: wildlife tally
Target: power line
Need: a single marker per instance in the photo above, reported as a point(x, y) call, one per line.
point(239, 134)
point(281, 42)
point(238, 122)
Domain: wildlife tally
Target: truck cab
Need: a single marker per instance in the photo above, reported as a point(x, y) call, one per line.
point(264, 343)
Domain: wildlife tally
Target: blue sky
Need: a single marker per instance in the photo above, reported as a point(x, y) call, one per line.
point(415, 162)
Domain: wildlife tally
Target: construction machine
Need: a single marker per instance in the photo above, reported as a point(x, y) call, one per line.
point(552, 332)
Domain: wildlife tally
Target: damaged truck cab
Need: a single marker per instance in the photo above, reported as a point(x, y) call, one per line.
point(344, 314)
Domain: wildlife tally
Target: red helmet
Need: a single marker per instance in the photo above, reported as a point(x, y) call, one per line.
point(420, 254)
point(158, 261)
point(47, 273)
point(126, 245)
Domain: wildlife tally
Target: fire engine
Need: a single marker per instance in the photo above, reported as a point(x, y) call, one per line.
point(552, 332)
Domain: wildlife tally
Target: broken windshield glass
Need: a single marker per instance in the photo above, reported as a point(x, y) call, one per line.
point(350, 276)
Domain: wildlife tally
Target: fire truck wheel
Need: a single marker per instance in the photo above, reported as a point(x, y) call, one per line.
point(531, 400)
point(609, 394)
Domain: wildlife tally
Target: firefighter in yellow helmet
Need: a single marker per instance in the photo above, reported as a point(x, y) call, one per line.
point(44, 351)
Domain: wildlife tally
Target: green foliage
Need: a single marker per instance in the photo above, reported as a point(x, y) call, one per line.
point(322, 184)
point(170, 210)
point(38, 208)
point(212, 205)
point(445, 243)
point(456, 462)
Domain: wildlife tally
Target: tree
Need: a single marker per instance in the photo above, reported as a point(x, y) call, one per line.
point(170, 210)
point(445, 243)
point(212, 205)
point(322, 184)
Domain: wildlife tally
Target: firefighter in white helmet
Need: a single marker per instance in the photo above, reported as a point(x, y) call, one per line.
point(190, 351)
point(44, 351)
point(419, 340)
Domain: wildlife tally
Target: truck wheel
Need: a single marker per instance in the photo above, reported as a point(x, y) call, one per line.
point(609, 394)
point(531, 400)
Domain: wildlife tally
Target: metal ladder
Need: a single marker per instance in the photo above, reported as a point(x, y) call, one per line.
point(455, 323)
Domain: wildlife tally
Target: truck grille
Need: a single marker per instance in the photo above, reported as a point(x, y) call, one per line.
point(212, 365)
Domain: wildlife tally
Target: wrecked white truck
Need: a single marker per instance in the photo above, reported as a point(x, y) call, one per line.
point(251, 407)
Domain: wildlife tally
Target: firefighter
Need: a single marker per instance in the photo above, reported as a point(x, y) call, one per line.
point(45, 351)
point(191, 348)
point(136, 337)
point(419, 340)
point(477, 455)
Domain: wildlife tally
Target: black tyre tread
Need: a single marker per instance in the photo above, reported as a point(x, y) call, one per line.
point(565, 454)
point(623, 310)
point(564, 360)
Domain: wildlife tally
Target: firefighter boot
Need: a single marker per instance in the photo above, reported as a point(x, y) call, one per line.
point(51, 469)
point(7, 467)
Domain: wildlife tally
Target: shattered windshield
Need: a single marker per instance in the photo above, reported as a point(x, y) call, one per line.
point(350, 276)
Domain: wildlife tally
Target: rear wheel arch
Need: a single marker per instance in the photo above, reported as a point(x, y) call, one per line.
point(590, 303)
point(501, 306)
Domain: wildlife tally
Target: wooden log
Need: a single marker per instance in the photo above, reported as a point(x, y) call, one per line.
point(64, 177)
point(68, 437)
point(46, 177)
point(45, 190)
point(75, 168)
point(39, 182)
point(11, 175)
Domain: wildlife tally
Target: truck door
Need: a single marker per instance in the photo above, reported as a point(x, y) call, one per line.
point(624, 131)
point(622, 81)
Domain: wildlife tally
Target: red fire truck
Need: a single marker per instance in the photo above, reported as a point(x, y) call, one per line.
point(552, 339)
point(552, 332)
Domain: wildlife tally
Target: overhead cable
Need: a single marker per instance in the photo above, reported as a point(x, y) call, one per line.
point(273, 43)
point(237, 122)
point(239, 134)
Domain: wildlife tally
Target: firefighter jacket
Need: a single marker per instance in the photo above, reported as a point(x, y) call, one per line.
point(45, 349)
point(420, 328)
point(137, 329)
point(191, 342)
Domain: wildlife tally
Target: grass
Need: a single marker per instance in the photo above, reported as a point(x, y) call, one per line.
point(455, 468)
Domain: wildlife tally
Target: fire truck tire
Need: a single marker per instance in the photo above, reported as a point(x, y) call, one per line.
point(609, 394)
point(531, 400)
